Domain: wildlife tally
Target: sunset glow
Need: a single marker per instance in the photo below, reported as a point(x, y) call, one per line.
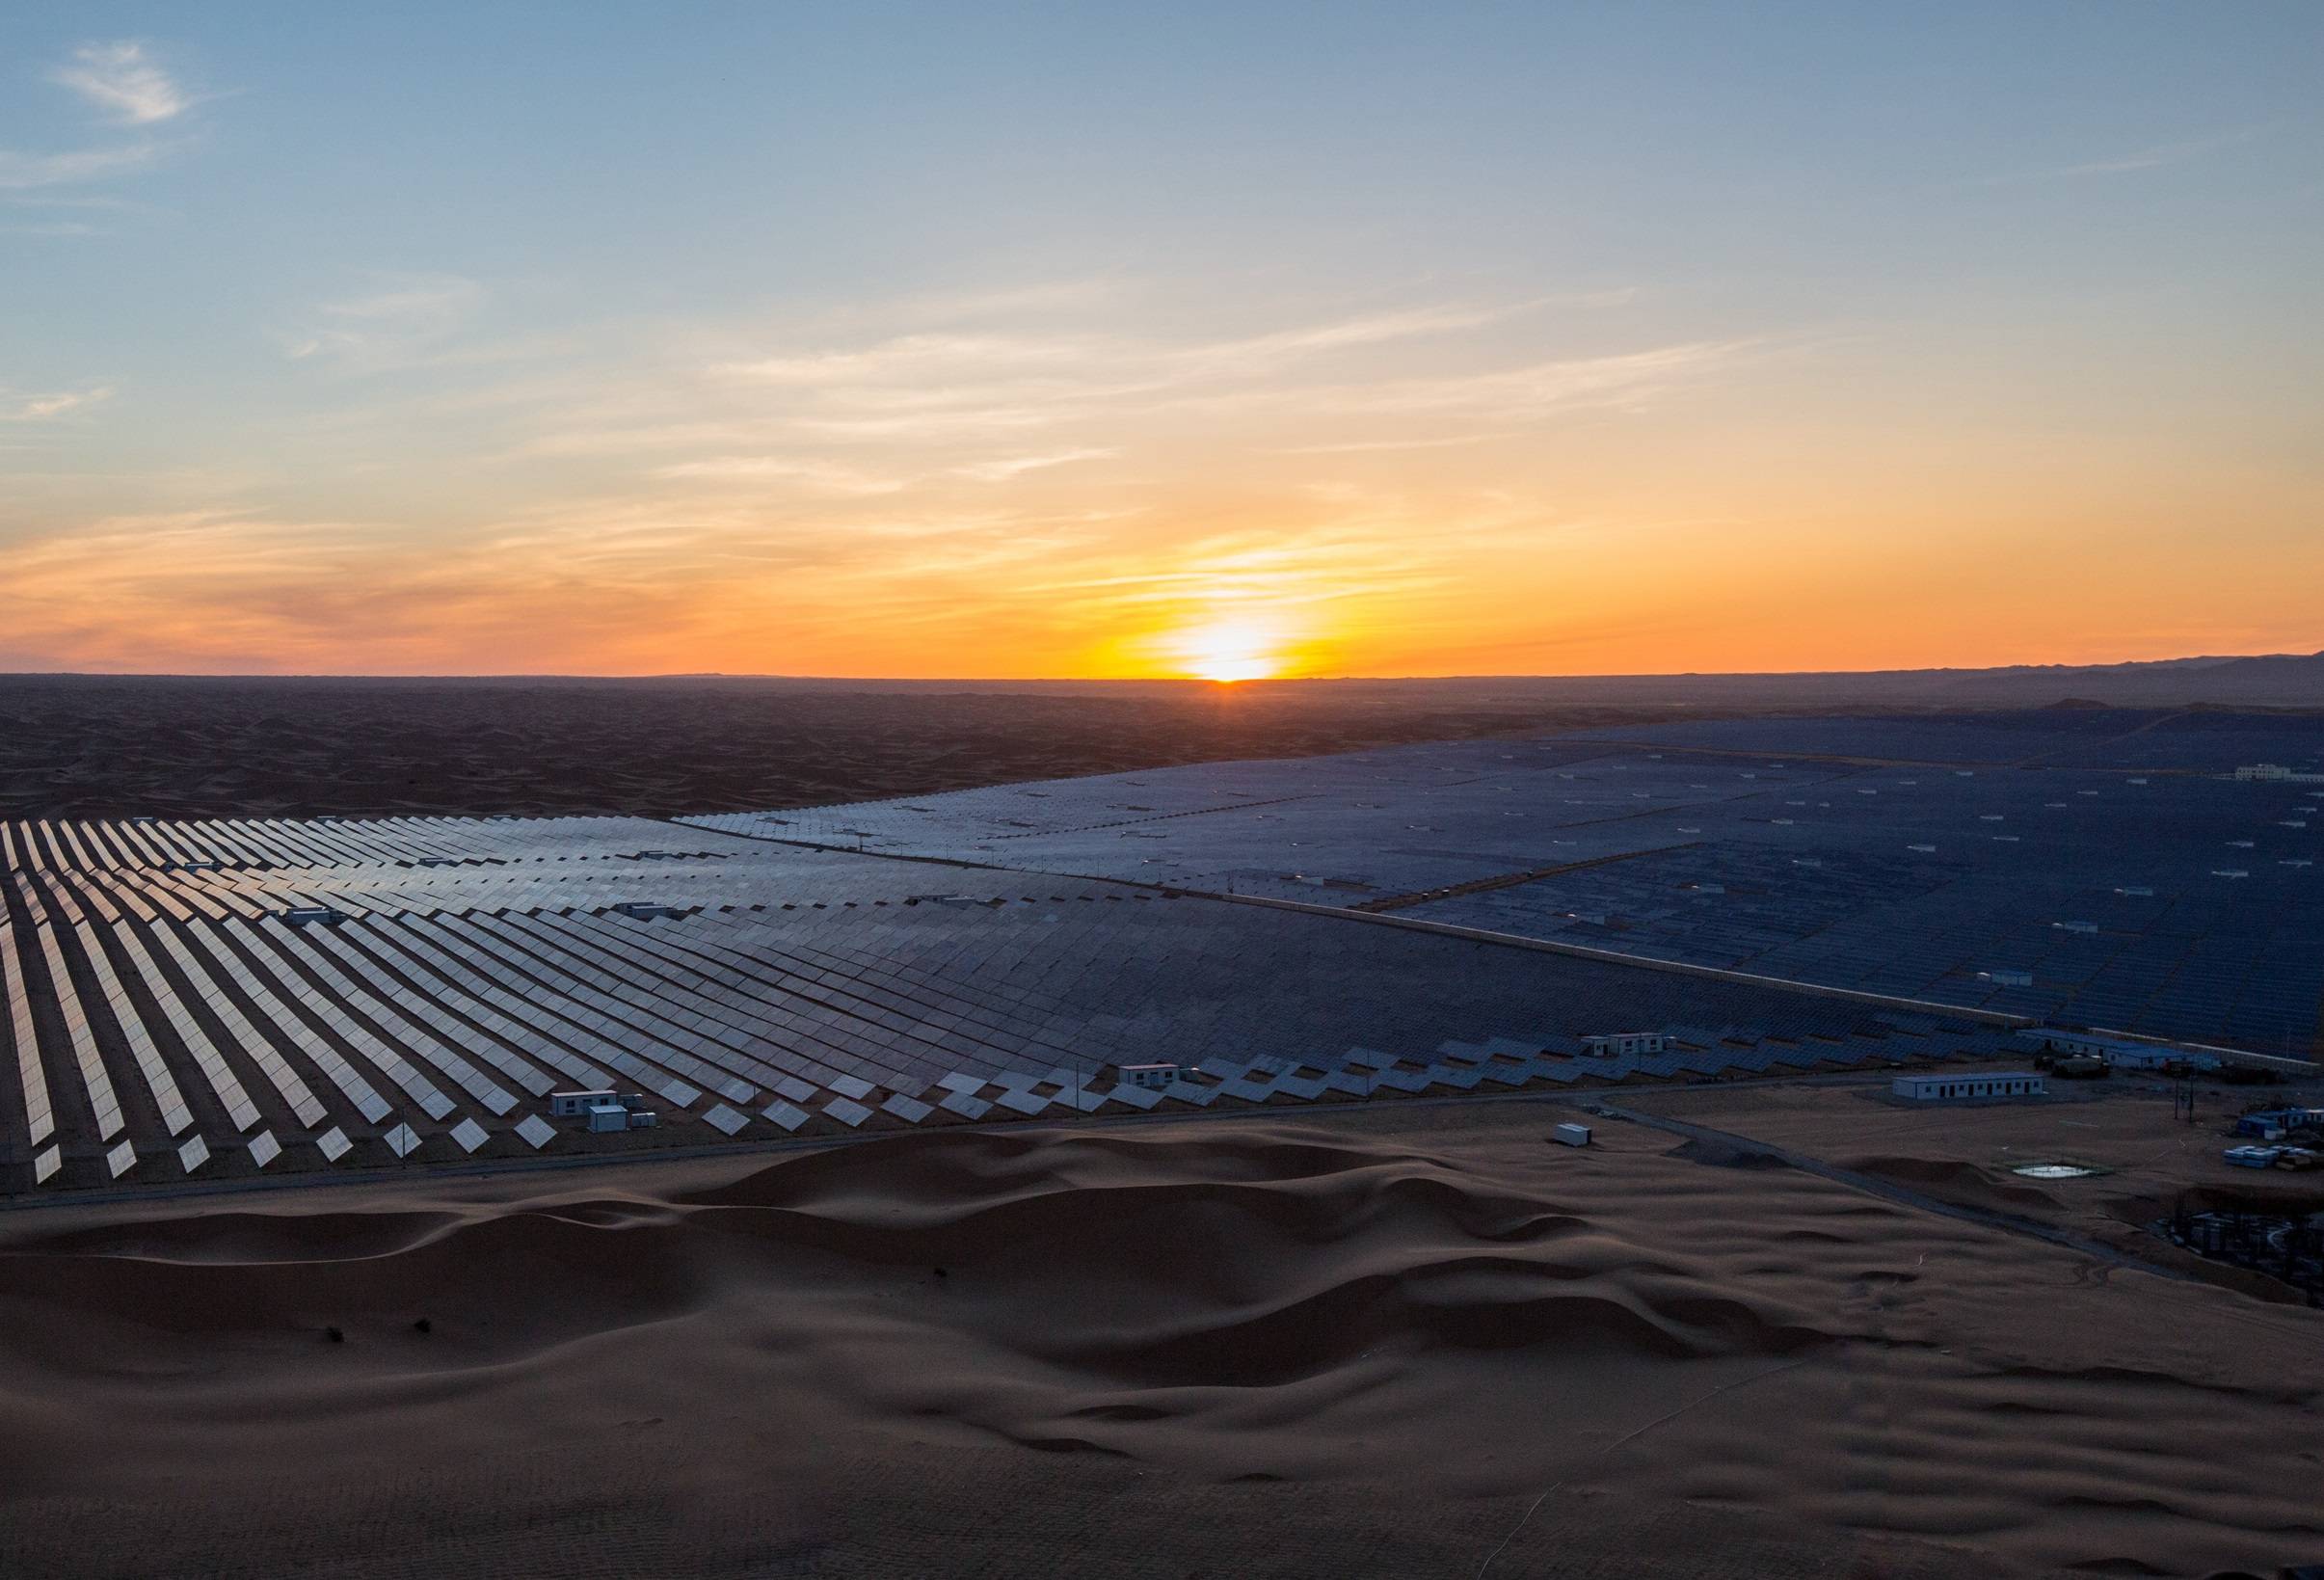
point(1615, 367)
point(1232, 649)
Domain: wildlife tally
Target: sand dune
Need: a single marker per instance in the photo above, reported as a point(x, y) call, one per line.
point(1365, 1346)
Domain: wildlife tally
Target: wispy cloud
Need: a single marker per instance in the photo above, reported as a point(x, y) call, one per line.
point(52, 228)
point(820, 476)
point(779, 491)
point(1534, 390)
point(27, 172)
point(1365, 446)
point(235, 591)
point(940, 358)
point(732, 582)
point(52, 210)
point(940, 388)
point(55, 201)
point(952, 309)
point(1264, 353)
point(913, 356)
point(407, 318)
point(1015, 466)
point(122, 80)
point(2149, 159)
point(45, 407)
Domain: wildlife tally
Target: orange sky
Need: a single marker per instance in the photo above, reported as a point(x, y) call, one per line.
point(1552, 343)
point(1655, 520)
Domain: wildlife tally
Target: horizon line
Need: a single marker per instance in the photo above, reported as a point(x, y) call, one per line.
point(1142, 680)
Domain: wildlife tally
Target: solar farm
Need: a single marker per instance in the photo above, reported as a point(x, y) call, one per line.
point(212, 999)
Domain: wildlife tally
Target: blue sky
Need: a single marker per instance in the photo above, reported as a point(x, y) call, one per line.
point(1394, 339)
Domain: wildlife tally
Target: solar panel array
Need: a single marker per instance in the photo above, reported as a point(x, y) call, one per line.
point(171, 1015)
point(206, 998)
point(1932, 858)
point(2200, 741)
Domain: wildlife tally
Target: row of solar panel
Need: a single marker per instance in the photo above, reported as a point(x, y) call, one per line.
point(2094, 738)
point(1064, 808)
point(147, 843)
point(706, 1007)
point(1863, 913)
point(849, 1102)
point(748, 876)
point(488, 1013)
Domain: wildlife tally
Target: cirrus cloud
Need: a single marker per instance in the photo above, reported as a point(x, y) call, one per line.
point(121, 79)
point(44, 407)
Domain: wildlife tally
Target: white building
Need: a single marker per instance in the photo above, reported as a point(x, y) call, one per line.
point(1961, 1086)
point(2120, 1053)
point(1617, 1044)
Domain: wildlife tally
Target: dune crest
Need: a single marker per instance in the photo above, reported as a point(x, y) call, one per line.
point(1442, 1305)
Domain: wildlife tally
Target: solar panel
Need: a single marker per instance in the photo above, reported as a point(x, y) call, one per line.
point(483, 954)
point(31, 1081)
point(95, 1083)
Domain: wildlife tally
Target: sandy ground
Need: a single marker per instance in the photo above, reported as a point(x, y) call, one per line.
point(2148, 1159)
point(1411, 1341)
point(110, 747)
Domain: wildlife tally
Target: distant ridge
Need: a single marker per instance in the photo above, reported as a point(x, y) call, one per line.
point(2265, 680)
point(2278, 680)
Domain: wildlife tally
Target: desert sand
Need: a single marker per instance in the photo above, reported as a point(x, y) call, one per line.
point(2146, 1160)
point(1415, 1340)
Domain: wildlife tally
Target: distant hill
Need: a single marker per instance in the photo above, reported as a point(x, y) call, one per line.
point(2276, 680)
point(2270, 680)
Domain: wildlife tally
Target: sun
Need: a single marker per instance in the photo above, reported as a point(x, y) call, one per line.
point(1253, 668)
point(1234, 648)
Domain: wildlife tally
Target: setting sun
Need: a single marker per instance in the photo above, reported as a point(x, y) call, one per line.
point(1238, 648)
